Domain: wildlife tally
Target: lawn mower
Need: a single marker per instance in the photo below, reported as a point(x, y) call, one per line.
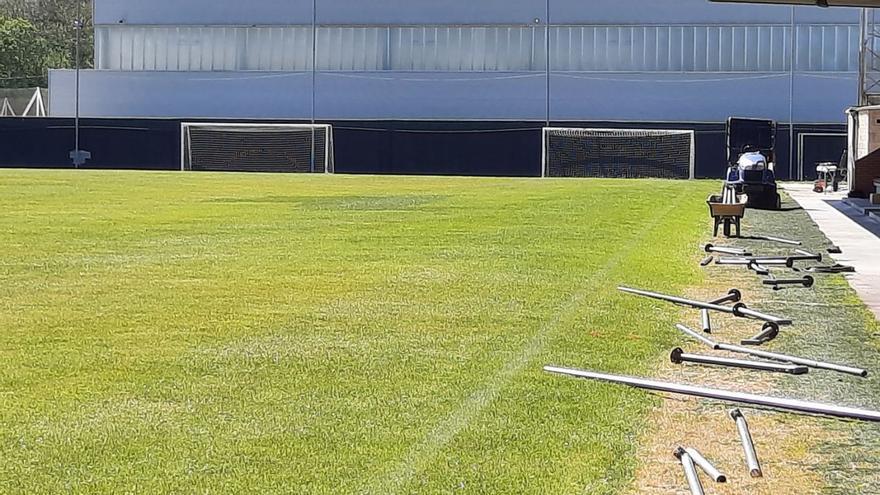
point(750, 156)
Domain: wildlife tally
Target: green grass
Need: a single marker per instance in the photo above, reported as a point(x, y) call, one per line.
point(202, 333)
point(831, 323)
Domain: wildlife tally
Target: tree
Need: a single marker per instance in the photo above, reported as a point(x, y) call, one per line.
point(54, 22)
point(23, 54)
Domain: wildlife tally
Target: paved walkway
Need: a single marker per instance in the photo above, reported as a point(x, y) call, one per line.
point(856, 234)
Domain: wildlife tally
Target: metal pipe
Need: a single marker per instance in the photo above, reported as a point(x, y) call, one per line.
point(725, 395)
point(807, 281)
point(706, 340)
point(707, 260)
point(778, 239)
point(742, 311)
point(678, 356)
point(748, 446)
point(706, 466)
point(793, 359)
point(758, 268)
point(705, 321)
point(799, 257)
point(690, 471)
point(803, 253)
point(711, 248)
point(739, 309)
point(748, 261)
point(720, 346)
point(733, 295)
point(768, 332)
point(79, 27)
point(677, 300)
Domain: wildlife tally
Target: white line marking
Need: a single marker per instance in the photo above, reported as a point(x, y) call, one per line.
point(422, 453)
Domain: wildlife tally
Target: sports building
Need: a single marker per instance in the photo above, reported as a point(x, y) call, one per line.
point(465, 86)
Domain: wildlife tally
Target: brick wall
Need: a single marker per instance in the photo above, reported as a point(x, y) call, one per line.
point(867, 169)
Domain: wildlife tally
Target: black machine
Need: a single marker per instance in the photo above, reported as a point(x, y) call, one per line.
point(750, 157)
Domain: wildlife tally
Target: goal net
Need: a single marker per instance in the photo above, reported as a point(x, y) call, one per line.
point(229, 147)
point(584, 152)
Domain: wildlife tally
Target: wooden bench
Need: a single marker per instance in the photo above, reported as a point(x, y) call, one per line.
point(726, 214)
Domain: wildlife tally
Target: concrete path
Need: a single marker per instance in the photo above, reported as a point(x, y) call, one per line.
point(856, 234)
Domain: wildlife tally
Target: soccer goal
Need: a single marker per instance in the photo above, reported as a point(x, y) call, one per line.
point(585, 152)
point(232, 147)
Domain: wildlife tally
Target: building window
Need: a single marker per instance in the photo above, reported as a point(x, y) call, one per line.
point(684, 48)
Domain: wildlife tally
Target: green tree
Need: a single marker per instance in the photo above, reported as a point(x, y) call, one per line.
point(23, 54)
point(54, 22)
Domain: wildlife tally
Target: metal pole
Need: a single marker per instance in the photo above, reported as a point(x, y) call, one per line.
point(748, 446)
point(677, 300)
point(801, 406)
point(690, 471)
point(863, 40)
point(806, 281)
point(768, 332)
point(739, 309)
point(78, 156)
point(794, 257)
point(791, 102)
point(793, 359)
point(706, 466)
point(758, 268)
point(547, 68)
point(772, 355)
point(312, 157)
point(678, 356)
point(711, 248)
point(777, 239)
point(749, 261)
point(742, 311)
point(706, 322)
point(78, 27)
point(706, 340)
point(733, 295)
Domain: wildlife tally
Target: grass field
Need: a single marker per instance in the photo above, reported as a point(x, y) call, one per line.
point(201, 333)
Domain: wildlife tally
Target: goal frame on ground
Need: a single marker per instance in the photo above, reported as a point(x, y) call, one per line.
point(328, 138)
point(545, 138)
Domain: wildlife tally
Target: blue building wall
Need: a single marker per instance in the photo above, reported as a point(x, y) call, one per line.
point(612, 60)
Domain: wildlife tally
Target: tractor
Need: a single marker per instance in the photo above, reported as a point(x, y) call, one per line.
point(750, 156)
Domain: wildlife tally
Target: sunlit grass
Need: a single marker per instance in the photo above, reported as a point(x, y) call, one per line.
point(182, 333)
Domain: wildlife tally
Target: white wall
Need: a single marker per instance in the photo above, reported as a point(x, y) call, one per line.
point(663, 60)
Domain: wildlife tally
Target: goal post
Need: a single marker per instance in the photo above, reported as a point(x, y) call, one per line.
point(256, 147)
point(630, 153)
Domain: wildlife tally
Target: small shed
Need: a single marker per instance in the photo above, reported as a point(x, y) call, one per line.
point(863, 149)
